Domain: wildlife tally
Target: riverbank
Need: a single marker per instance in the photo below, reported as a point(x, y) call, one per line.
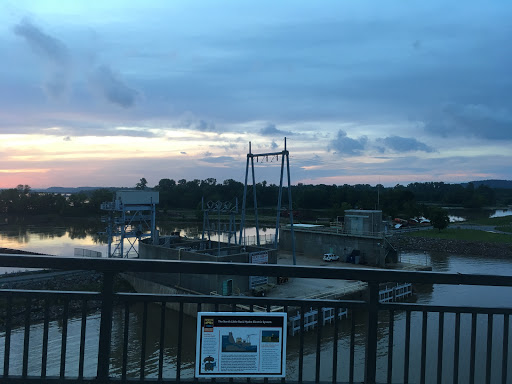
point(405, 242)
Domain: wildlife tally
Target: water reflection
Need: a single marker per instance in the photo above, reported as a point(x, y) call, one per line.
point(501, 213)
point(465, 214)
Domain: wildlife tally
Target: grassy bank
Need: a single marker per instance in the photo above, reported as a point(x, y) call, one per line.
point(464, 234)
point(495, 221)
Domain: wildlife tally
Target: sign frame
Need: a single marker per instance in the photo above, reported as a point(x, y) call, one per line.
point(241, 344)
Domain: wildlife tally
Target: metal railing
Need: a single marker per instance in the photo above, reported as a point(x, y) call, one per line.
point(123, 337)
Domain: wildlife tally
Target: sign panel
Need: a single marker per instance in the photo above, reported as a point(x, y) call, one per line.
point(260, 257)
point(241, 344)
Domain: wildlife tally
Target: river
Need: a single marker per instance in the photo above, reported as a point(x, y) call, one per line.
point(62, 241)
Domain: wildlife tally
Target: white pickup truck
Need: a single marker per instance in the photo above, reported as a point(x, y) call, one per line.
point(331, 257)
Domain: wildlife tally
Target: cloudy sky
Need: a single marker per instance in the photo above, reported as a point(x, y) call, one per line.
point(102, 93)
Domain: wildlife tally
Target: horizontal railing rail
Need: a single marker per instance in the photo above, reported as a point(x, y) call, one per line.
point(203, 267)
point(120, 318)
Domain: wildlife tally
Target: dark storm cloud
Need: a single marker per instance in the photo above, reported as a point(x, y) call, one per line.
point(271, 130)
point(112, 88)
point(403, 144)
point(344, 145)
point(478, 121)
point(54, 53)
point(43, 44)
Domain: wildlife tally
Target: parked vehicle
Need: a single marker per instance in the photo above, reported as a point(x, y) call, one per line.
point(331, 257)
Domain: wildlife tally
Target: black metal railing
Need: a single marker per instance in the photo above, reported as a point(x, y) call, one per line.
point(99, 337)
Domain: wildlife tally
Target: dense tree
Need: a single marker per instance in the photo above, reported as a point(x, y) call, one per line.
point(439, 218)
point(141, 184)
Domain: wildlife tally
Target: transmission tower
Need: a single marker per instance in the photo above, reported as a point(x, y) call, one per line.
point(265, 157)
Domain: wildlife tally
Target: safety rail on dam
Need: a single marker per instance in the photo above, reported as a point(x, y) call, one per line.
point(370, 346)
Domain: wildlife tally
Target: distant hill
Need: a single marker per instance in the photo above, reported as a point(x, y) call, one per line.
point(502, 184)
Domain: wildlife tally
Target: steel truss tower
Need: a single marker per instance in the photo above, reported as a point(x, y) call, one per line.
point(131, 217)
point(265, 156)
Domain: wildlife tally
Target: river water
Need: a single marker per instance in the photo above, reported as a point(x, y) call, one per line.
point(62, 241)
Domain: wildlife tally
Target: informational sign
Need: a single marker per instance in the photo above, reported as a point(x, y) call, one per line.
point(241, 344)
point(260, 257)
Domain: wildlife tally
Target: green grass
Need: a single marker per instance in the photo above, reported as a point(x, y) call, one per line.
point(464, 234)
point(505, 228)
point(496, 221)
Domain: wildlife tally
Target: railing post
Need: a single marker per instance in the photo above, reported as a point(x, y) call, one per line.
point(107, 302)
point(371, 341)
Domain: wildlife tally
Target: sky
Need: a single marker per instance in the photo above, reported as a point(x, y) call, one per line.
point(103, 93)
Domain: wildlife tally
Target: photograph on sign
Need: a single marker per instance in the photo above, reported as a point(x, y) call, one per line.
point(241, 344)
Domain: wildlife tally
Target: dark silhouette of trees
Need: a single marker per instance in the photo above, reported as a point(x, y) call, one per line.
point(398, 201)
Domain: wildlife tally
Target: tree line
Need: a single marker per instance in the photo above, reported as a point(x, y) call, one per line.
point(399, 201)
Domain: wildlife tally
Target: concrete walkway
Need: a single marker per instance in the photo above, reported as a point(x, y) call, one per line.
point(323, 288)
point(315, 288)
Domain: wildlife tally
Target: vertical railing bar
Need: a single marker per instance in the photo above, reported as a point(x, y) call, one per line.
point(143, 341)
point(473, 349)
point(64, 339)
point(440, 340)
point(407, 345)
point(489, 349)
point(216, 309)
point(26, 337)
point(285, 310)
point(352, 347)
point(83, 325)
point(196, 380)
point(7, 346)
point(335, 347)
point(424, 325)
point(46, 329)
point(105, 337)
point(456, 349)
point(233, 308)
point(251, 309)
point(318, 342)
point(504, 364)
point(371, 335)
point(301, 344)
point(162, 341)
point(125, 339)
point(180, 344)
point(390, 345)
